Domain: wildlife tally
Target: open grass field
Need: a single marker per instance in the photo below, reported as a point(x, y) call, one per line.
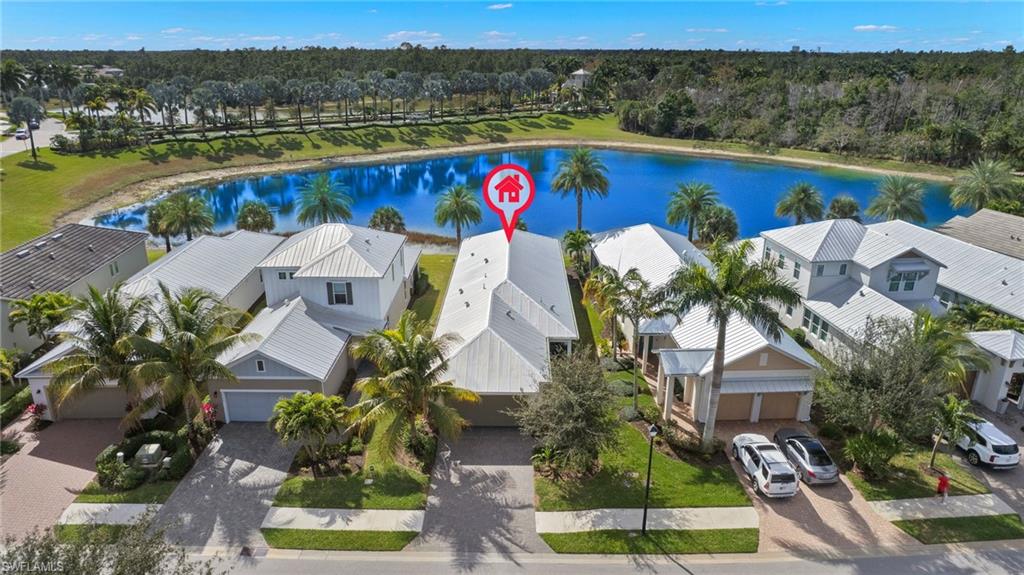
point(655, 542)
point(959, 529)
point(910, 478)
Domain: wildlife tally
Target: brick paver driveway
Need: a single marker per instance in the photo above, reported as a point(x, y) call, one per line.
point(482, 500)
point(223, 499)
point(41, 480)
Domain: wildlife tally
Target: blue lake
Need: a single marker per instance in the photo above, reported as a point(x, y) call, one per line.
point(640, 185)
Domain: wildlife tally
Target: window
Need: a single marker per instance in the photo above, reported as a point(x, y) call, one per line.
point(767, 253)
point(823, 332)
point(114, 269)
point(796, 270)
point(282, 275)
point(782, 261)
point(260, 366)
point(789, 311)
point(819, 270)
point(894, 282)
point(339, 293)
point(945, 297)
point(909, 280)
point(763, 360)
point(842, 269)
point(807, 318)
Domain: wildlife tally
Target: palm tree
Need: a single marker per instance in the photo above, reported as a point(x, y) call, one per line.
point(577, 245)
point(9, 360)
point(65, 78)
point(191, 330)
point(254, 216)
point(13, 79)
point(718, 223)
point(899, 198)
point(803, 202)
point(603, 289)
point(843, 208)
point(953, 354)
point(310, 418)
point(458, 206)
point(687, 204)
point(322, 200)
point(23, 110)
point(102, 348)
point(156, 222)
point(411, 362)
point(42, 312)
point(985, 180)
point(187, 214)
point(388, 219)
point(953, 417)
point(582, 172)
point(735, 290)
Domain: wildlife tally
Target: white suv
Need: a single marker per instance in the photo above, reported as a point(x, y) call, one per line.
point(766, 466)
point(987, 444)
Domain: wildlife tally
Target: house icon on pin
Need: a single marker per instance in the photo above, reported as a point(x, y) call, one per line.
point(509, 188)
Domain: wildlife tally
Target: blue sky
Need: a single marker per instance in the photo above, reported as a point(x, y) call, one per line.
point(756, 25)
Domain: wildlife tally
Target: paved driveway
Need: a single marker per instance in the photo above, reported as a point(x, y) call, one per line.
point(41, 480)
point(482, 501)
point(1008, 484)
point(223, 499)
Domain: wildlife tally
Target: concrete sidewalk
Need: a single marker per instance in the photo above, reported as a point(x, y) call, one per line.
point(934, 508)
point(344, 519)
point(631, 519)
point(105, 513)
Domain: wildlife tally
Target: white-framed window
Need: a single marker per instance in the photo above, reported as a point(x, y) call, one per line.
point(782, 261)
point(813, 323)
point(114, 269)
point(767, 253)
point(789, 311)
point(796, 270)
point(339, 293)
point(894, 281)
point(282, 275)
point(819, 270)
point(763, 360)
point(807, 319)
point(260, 366)
point(842, 269)
point(907, 279)
point(945, 297)
point(909, 282)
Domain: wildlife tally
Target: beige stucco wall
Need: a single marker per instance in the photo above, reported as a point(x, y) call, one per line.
point(776, 360)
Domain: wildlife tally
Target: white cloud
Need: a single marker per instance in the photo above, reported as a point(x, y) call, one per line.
point(496, 36)
point(175, 30)
point(499, 6)
point(875, 28)
point(581, 38)
point(133, 37)
point(262, 38)
point(707, 30)
point(779, 3)
point(637, 36)
point(422, 36)
point(92, 37)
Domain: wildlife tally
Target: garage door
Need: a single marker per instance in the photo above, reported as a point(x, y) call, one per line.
point(489, 412)
point(779, 405)
point(735, 406)
point(242, 405)
point(103, 403)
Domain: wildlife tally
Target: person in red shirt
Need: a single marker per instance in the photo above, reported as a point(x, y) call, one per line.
point(943, 487)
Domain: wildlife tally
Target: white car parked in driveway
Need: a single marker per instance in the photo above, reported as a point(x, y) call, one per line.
point(766, 467)
point(987, 444)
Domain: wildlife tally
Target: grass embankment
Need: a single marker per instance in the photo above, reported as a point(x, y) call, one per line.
point(910, 478)
point(655, 542)
point(438, 268)
point(154, 492)
point(338, 540)
point(959, 529)
point(36, 193)
point(92, 533)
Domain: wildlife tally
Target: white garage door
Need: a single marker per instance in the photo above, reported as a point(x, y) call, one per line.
point(245, 405)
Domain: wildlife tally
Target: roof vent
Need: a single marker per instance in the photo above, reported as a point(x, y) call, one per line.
point(57, 236)
point(472, 254)
point(90, 248)
point(53, 256)
point(467, 304)
point(41, 244)
point(1004, 283)
point(22, 253)
point(367, 240)
point(861, 293)
point(552, 307)
point(32, 283)
point(460, 291)
point(508, 312)
point(487, 261)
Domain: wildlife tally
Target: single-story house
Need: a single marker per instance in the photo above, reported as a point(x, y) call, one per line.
point(1005, 375)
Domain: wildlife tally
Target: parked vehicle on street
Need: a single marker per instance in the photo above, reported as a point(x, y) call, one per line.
point(808, 456)
point(21, 134)
point(33, 124)
point(765, 465)
point(986, 444)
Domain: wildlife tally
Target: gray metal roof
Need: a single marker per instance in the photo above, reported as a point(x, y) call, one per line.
point(767, 384)
point(655, 252)
point(1006, 344)
point(337, 251)
point(980, 274)
point(848, 305)
point(837, 241)
point(989, 229)
point(685, 361)
point(56, 260)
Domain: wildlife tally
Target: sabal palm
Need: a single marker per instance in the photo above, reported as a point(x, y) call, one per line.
point(953, 354)
point(687, 204)
point(577, 245)
point(985, 180)
point(899, 198)
point(157, 223)
point(102, 347)
point(187, 214)
point(843, 207)
point(191, 329)
point(387, 218)
point(457, 206)
point(411, 362)
point(581, 173)
point(802, 202)
point(952, 418)
point(322, 200)
point(735, 289)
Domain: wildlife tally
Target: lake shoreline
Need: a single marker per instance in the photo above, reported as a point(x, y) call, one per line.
point(153, 188)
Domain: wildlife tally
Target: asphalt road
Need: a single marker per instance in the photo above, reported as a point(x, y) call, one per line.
point(47, 129)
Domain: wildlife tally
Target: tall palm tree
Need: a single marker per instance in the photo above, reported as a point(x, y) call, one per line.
point(604, 291)
point(843, 208)
point(13, 79)
point(102, 348)
point(687, 204)
point(899, 198)
point(458, 206)
point(42, 312)
point(735, 289)
point(952, 418)
point(985, 180)
point(388, 219)
point(411, 362)
point(803, 202)
point(322, 200)
point(577, 245)
point(156, 222)
point(191, 329)
point(254, 216)
point(953, 354)
point(581, 173)
point(187, 214)
point(65, 78)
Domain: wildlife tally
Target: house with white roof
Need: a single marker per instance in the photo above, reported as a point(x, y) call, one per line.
point(764, 378)
point(224, 266)
point(1005, 375)
point(509, 303)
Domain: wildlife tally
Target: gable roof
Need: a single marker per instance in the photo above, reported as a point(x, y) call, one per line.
point(337, 250)
point(989, 229)
point(655, 252)
point(56, 260)
point(505, 299)
point(1006, 344)
point(848, 305)
point(840, 240)
point(977, 273)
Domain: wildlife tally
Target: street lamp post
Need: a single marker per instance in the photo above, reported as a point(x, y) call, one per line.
point(652, 432)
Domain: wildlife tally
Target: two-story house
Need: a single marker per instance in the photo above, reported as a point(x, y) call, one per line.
point(325, 286)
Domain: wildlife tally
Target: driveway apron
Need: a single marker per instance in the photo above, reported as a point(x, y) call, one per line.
point(223, 499)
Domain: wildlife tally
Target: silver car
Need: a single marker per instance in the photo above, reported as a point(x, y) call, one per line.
point(809, 458)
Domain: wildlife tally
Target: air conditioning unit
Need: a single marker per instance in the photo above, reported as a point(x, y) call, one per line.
point(149, 454)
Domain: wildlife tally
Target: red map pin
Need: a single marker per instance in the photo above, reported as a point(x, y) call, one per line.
point(508, 191)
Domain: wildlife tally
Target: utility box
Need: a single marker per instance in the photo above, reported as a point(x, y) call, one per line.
point(149, 454)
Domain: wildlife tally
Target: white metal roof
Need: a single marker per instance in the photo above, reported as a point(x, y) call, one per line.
point(337, 251)
point(685, 362)
point(505, 300)
point(837, 241)
point(1006, 344)
point(980, 274)
point(655, 252)
point(60, 350)
point(848, 305)
point(411, 255)
point(767, 384)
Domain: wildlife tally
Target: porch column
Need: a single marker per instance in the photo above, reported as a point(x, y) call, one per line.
point(643, 354)
point(570, 347)
point(688, 385)
point(657, 395)
point(803, 409)
point(755, 407)
point(670, 397)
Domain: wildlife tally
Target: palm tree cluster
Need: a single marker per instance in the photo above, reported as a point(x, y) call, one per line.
point(181, 213)
point(696, 204)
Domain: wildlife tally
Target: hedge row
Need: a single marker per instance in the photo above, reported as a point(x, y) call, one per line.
point(13, 407)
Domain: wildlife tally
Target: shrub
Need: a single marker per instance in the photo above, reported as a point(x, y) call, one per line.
point(8, 447)
point(872, 451)
point(621, 388)
point(129, 477)
point(629, 414)
point(831, 431)
point(422, 284)
point(608, 363)
point(650, 413)
point(799, 336)
point(355, 446)
point(424, 447)
point(14, 406)
point(181, 462)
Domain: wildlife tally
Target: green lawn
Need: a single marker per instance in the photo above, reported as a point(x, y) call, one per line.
point(655, 542)
point(36, 193)
point(957, 529)
point(438, 268)
point(620, 481)
point(154, 492)
point(394, 487)
point(909, 478)
point(587, 322)
point(155, 254)
point(331, 540)
point(95, 533)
